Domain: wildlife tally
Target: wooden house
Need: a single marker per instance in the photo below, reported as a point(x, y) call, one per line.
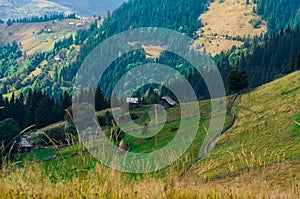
point(26, 145)
point(167, 102)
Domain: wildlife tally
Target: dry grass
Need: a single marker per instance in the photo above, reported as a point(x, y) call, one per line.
point(153, 51)
point(25, 33)
point(228, 18)
point(35, 73)
point(33, 182)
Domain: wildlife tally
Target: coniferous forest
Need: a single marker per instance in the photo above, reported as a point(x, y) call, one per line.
point(265, 57)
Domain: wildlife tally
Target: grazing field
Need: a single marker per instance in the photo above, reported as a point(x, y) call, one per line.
point(41, 36)
point(257, 158)
point(28, 8)
point(265, 132)
point(232, 18)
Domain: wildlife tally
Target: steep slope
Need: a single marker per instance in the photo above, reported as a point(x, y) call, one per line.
point(265, 132)
point(40, 37)
point(256, 152)
point(27, 8)
point(227, 19)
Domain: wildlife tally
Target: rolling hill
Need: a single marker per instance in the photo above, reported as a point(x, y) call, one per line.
point(27, 8)
point(227, 19)
point(257, 157)
point(12, 9)
point(41, 36)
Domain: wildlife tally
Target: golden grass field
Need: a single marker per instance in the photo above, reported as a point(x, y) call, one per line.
point(231, 18)
point(26, 34)
point(257, 158)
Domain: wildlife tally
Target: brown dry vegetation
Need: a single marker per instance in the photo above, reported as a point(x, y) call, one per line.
point(231, 18)
point(153, 51)
point(26, 34)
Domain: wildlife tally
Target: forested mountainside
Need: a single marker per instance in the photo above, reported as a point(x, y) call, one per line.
point(141, 13)
point(265, 57)
point(279, 13)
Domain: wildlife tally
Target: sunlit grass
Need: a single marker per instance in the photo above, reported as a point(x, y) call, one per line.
point(251, 160)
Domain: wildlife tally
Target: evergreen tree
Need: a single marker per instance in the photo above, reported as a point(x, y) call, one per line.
point(237, 79)
point(9, 22)
point(298, 62)
point(9, 129)
point(100, 101)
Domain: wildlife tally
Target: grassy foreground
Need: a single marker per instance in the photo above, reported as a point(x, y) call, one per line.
point(257, 158)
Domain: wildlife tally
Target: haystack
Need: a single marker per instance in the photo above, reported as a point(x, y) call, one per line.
point(123, 145)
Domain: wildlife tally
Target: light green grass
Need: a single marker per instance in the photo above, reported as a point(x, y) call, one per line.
point(264, 132)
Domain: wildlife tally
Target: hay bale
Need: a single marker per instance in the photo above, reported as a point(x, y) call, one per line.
point(123, 145)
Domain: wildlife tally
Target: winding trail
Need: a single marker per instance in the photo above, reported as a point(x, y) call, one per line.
point(211, 143)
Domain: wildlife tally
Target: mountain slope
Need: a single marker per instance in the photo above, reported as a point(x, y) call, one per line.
point(34, 37)
point(226, 19)
point(13, 9)
point(265, 131)
point(279, 13)
point(265, 135)
point(27, 8)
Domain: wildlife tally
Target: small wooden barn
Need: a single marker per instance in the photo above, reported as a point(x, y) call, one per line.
point(26, 145)
point(168, 102)
point(133, 102)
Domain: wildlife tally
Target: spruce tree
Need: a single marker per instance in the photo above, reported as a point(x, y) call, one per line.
point(298, 62)
point(237, 79)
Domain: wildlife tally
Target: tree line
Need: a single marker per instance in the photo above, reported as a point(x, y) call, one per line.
point(279, 13)
point(44, 18)
point(36, 108)
point(180, 15)
point(265, 58)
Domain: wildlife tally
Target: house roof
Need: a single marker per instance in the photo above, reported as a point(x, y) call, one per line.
point(169, 100)
point(132, 100)
point(25, 143)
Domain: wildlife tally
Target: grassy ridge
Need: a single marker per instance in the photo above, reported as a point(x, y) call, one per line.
point(265, 131)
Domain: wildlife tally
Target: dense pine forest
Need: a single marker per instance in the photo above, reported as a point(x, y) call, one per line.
point(36, 108)
point(140, 13)
point(279, 13)
point(265, 57)
point(45, 18)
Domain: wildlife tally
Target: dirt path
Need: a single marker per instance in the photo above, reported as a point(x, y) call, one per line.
point(211, 143)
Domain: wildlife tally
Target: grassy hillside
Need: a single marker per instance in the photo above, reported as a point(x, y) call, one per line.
point(257, 158)
point(32, 38)
point(28, 8)
point(266, 131)
point(229, 17)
